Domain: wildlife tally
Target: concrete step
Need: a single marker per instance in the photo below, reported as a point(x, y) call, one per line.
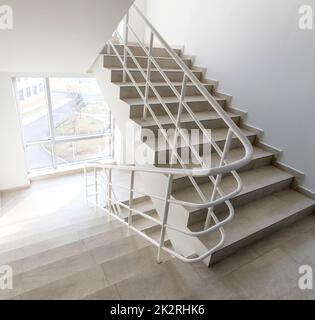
point(174, 75)
point(260, 158)
point(129, 91)
point(258, 219)
point(139, 52)
point(209, 119)
point(201, 145)
point(257, 183)
point(90, 235)
point(97, 281)
point(112, 61)
point(136, 111)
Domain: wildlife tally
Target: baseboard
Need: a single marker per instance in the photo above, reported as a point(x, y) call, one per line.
point(276, 152)
point(237, 111)
point(225, 96)
point(305, 191)
point(259, 132)
point(27, 185)
point(298, 174)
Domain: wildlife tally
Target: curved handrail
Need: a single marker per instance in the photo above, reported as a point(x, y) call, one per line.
point(236, 130)
point(214, 173)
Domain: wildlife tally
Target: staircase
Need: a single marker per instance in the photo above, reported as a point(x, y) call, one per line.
point(267, 201)
point(82, 256)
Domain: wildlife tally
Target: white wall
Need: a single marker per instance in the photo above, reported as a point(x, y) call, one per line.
point(13, 172)
point(58, 36)
point(260, 56)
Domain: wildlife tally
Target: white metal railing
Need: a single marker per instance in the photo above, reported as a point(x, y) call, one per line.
point(215, 174)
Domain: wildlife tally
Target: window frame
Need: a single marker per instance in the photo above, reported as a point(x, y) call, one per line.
point(53, 140)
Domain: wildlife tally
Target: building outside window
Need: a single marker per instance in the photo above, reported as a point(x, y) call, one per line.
point(21, 94)
point(34, 90)
point(68, 123)
point(28, 92)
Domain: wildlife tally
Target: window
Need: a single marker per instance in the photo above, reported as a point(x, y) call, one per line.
point(21, 94)
point(70, 125)
point(28, 92)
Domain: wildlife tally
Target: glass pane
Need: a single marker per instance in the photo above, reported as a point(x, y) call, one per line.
point(32, 101)
point(69, 152)
point(39, 156)
point(78, 107)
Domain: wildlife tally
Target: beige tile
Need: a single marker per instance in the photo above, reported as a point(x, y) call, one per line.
point(301, 248)
point(268, 277)
point(118, 248)
point(298, 294)
point(54, 271)
point(52, 255)
point(75, 286)
point(109, 293)
point(170, 280)
point(105, 237)
point(130, 265)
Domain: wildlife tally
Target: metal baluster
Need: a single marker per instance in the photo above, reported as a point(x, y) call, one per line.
point(109, 187)
point(86, 185)
point(179, 116)
point(147, 87)
point(219, 176)
point(96, 186)
point(132, 182)
point(165, 216)
point(126, 21)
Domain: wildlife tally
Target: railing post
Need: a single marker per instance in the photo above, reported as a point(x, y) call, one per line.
point(109, 192)
point(148, 79)
point(132, 182)
point(86, 185)
point(126, 21)
point(165, 215)
point(219, 176)
point(179, 116)
point(96, 188)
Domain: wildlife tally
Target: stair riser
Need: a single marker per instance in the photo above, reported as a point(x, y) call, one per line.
point(136, 217)
point(208, 124)
point(163, 91)
point(229, 250)
point(165, 63)
point(164, 155)
point(200, 215)
point(138, 51)
point(184, 182)
point(174, 76)
point(137, 111)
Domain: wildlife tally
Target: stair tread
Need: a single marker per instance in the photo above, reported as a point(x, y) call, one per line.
point(260, 214)
point(91, 236)
point(216, 134)
point(145, 207)
point(157, 84)
point(152, 100)
point(165, 119)
point(152, 69)
point(252, 180)
point(137, 56)
point(235, 154)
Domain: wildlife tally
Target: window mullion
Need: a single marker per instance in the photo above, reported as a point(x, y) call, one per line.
point(51, 123)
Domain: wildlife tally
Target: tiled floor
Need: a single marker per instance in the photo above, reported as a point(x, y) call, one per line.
point(266, 270)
